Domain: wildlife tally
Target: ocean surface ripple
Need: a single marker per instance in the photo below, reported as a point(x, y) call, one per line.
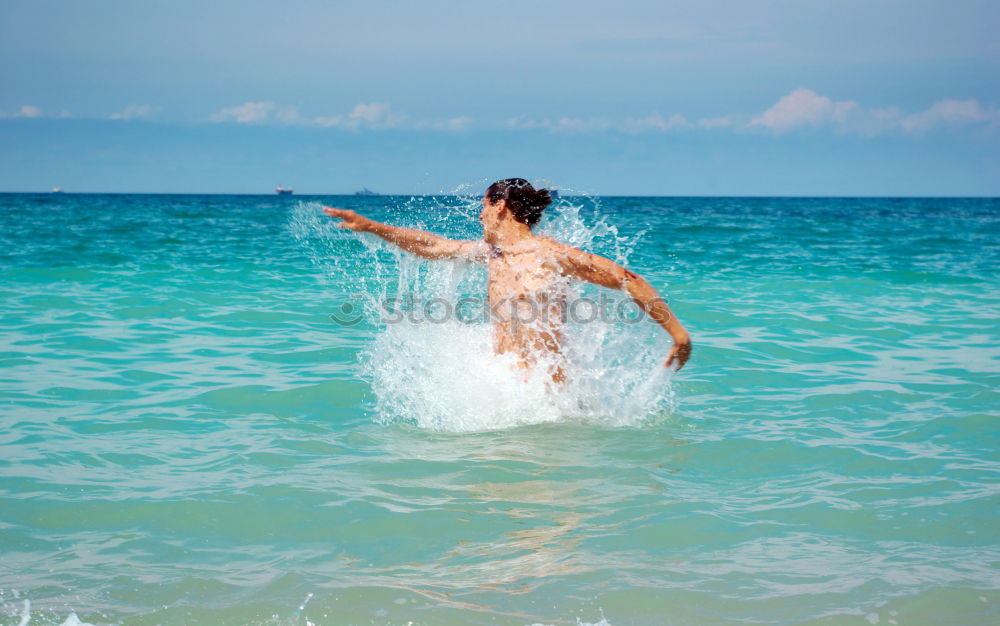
point(189, 438)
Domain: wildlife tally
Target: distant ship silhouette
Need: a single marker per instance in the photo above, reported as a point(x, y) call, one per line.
point(367, 192)
point(283, 191)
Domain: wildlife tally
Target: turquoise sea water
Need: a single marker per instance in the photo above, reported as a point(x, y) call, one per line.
point(188, 437)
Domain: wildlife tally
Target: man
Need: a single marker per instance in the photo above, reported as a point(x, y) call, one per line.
point(528, 274)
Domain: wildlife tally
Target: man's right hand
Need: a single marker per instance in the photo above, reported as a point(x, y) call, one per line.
point(679, 353)
point(352, 221)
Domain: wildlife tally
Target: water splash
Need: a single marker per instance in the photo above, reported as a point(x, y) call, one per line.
point(437, 370)
point(26, 617)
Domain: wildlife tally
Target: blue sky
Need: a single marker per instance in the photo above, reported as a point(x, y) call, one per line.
point(790, 97)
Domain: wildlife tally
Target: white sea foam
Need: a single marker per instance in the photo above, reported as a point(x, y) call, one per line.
point(443, 375)
point(25, 616)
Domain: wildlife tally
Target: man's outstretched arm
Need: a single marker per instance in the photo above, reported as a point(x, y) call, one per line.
point(606, 273)
point(419, 242)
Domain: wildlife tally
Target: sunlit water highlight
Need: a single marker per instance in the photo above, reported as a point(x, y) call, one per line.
point(187, 437)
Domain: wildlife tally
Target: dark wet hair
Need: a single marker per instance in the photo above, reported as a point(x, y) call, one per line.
point(524, 202)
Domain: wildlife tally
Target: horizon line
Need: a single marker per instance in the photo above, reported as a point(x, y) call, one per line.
point(564, 195)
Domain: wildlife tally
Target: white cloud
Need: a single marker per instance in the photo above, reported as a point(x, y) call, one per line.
point(327, 121)
point(870, 122)
point(288, 115)
point(135, 111)
point(365, 115)
point(458, 124)
point(375, 115)
point(581, 125)
point(655, 121)
point(799, 109)
point(454, 124)
point(948, 112)
point(246, 113)
point(804, 107)
point(523, 123)
point(28, 110)
point(577, 125)
point(31, 111)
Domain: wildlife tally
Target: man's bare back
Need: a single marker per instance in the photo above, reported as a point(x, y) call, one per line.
point(528, 275)
point(527, 296)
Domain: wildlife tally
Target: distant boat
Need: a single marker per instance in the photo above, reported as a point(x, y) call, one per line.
point(367, 192)
point(57, 190)
point(283, 191)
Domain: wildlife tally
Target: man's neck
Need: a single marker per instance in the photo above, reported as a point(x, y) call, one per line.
point(509, 234)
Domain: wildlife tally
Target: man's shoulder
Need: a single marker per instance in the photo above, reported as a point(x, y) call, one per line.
point(474, 249)
point(554, 245)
